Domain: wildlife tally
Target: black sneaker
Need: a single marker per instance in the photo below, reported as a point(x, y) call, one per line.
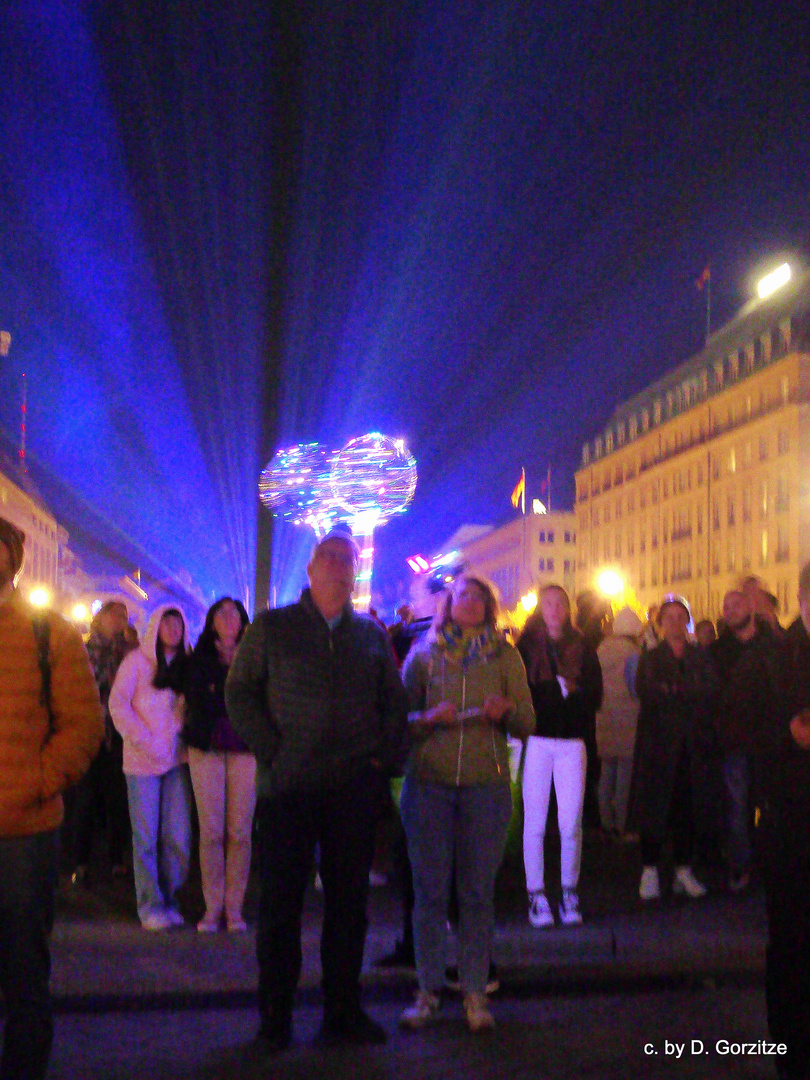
point(401, 957)
point(350, 1029)
point(274, 1034)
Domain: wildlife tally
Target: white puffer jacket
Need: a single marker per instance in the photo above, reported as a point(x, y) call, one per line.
point(148, 720)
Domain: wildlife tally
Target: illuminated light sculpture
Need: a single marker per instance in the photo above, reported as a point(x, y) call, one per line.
point(295, 486)
point(364, 484)
point(373, 478)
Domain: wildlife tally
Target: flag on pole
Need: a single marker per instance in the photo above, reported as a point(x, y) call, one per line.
point(519, 494)
point(704, 278)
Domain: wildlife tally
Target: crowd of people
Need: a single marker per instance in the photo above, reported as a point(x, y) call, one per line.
point(300, 719)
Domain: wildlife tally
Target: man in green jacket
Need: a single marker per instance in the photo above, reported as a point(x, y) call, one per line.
point(315, 693)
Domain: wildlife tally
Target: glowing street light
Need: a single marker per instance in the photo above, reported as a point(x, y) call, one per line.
point(529, 602)
point(80, 614)
point(774, 281)
point(39, 597)
point(610, 583)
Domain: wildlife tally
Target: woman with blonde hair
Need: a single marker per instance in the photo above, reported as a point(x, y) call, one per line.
point(467, 691)
point(565, 680)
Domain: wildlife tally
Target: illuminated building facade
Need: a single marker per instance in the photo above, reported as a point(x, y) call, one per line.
point(22, 507)
point(702, 478)
point(525, 554)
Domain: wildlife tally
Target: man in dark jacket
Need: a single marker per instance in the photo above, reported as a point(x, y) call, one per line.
point(775, 700)
point(315, 693)
point(742, 635)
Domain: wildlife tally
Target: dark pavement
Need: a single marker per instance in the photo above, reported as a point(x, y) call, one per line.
point(575, 1002)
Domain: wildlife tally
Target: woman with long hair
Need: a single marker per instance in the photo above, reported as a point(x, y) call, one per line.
point(467, 690)
point(223, 771)
point(566, 686)
point(147, 707)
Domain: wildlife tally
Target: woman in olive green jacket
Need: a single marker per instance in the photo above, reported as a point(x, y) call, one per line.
point(467, 690)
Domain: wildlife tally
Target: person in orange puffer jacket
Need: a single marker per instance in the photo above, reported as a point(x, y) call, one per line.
point(49, 735)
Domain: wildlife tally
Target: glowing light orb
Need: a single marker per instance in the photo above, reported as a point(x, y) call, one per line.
point(40, 597)
point(610, 583)
point(295, 486)
point(374, 475)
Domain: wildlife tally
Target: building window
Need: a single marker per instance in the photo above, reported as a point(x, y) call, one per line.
point(620, 434)
point(607, 512)
point(732, 554)
point(785, 387)
point(763, 498)
point(716, 467)
point(586, 454)
point(608, 442)
point(763, 548)
point(541, 565)
point(551, 536)
point(782, 494)
point(699, 520)
point(783, 441)
point(718, 373)
point(645, 420)
point(730, 509)
point(567, 537)
point(542, 536)
point(566, 566)
point(633, 427)
point(700, 476)
point(550, 565)
point(715, 514)
point(732, 460)
point(657, 412)
point(782, 545)
point(747, 454)
point(763, 448)
point(631, 502)
point(746, 503)
point(642, 577)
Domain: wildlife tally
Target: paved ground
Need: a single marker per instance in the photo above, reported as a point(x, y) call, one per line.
point(542, 1038)
point(576, 1002)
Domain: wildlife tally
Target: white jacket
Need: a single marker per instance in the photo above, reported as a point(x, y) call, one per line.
point(148, 720)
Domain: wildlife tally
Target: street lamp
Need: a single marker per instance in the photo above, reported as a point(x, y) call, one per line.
point(39, 597)
point(774, 281)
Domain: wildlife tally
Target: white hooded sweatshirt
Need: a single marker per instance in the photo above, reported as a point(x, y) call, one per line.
point(148, 720)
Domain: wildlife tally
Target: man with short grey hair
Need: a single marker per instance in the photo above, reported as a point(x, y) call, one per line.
point(315, 693)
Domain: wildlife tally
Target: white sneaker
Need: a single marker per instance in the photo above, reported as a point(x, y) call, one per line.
point(650, 886)
point(686, 884)
point(158, 920)
point(570, 914)
point(477, 1014)
point(539, 910)
point(423, 1011)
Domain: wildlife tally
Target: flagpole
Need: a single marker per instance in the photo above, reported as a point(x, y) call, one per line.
point(548, 482)
point(708, 305)
point(523, 493)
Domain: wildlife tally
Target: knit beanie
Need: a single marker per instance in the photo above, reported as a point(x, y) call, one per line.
point(14, 539)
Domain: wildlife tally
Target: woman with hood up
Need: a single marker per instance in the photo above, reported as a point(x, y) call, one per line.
point(617, 718)
point(147, 708)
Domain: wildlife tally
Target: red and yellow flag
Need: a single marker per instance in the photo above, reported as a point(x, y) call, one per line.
point(520, 490)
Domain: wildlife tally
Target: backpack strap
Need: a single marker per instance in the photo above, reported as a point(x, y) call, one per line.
point(42, 633)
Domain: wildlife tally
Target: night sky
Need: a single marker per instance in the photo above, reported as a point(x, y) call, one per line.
point(473, 225)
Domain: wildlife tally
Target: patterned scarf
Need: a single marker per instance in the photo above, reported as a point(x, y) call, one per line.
point(467, 646)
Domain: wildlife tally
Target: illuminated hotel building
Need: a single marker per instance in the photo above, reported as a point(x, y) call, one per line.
point(703, 477)
point(527, 553)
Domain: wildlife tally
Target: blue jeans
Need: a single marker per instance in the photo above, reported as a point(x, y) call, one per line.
point(736, 776)
point(465, 825)
point(160, 813)
point(28, 874)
